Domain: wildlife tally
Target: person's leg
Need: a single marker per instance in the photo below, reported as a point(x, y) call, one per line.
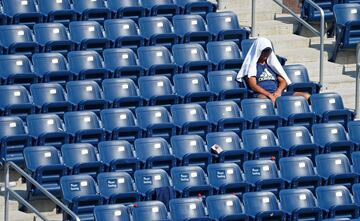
point(261, 96)
point(303, 94)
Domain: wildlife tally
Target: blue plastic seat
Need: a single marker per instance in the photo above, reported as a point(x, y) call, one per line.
point(57, 11)
point(296, 140)
point(193, 88)
point(200, 7)
point(156, 121)
point(332, 137)
point(84, 126)
point(158, 31)
point(300, 80)
point(309, 13)
point(263, 206)
point(165, 8)
point(81, 158)
point(121, 124)
point(53, 37)
point(227, 178)
point(80, 194)
point(261, 113)
point(86, 95)
point(356, 193)
point(52, 67)
point(17, 39)
point(147, 209)
point(92, 10)
point(225, 55)
point(88, 35)
point(22, 12)
point(191, 57)
point(226, 116)
point(122, 92)
point(158, 90)
point(192, 28)
point(118, 156)
point(157, 60)
point(47, 129)
point(191, 150)
point(300, 204)
point(154, 152)
point(15, 100)
point(188, 209)
point(225, 207)
point(191, 181)
point(337, 201)
point(354, 132)
point(261, 144)
point(225, 26)
point(87, 65)
point(124, 33)
point(117, 187)
point(230, 144)
point(14, 138)
point(330, 108)
point(123, 63)
point(16, 69)
point(299, 172)
point(191, 119)
point(263, 175)
point(147, 180)
point(336, 169)
point(116, 212)
point(44, 165)
point(127, 9)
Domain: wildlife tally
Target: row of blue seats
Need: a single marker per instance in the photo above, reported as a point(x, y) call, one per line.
point(37, 11)
point(86, 35)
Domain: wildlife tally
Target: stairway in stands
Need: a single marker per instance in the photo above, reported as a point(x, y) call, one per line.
point(272, 23)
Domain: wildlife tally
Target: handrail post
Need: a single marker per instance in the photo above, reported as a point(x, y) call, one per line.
point(7, 193)
point(322, 34)
point(357, 87)
point(253, 17)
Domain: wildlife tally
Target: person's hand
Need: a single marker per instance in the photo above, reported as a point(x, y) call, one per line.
point(272, 98)
point(277, 94)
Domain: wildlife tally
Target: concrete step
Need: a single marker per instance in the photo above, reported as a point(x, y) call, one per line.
point(261, 6)
point(18, 216)
point(288, 41)
point(300, 55)
point(268, 28)
point(244, 16)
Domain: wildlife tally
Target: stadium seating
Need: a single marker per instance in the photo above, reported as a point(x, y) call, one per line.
point(92, 10)
point(152, 210)
point(22, 12)
point(165, 8)
point(225, 55)
point(188, 209)
point(354, 129)
point(200, 7)
point(225, 207)
point(16, 101)
point(300, 81)
point(147, 180)
point(57, 11)
point(111, 212)
point(309, 13)
point(127, 9)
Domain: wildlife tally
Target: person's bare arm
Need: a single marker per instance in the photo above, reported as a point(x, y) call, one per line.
point(255, 87)
point(282, 85)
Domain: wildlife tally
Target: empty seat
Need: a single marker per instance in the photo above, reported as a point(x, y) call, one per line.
point(92, 10)
point(87, 65)
point(157, 60)
point(115, 212)
point(190, 181)
point(191, 118)
point(333, 138)
point(299, 172)
point(124, 33)
point(296, 140)
point(84, 126)
point(147, 180)
point(57, 11)
point(86, 95)
point(152, 210)
point(188, 209)
point(200, 7)
point(14, 138)
point(80, 195)
point(193, 88)
point(356, 193)
point(158, 31)
point(227, 178)
point(88, 35)
point(226, 116)
point(225, 207)
point(225, 55)
point(53, 37)
point(330, 108)
point(190, 150)
point(15, 100)
point(121, 124)
point(156, 121)
point(122, 92)
point(47, 129)
point(123, 63)
point(44, 165)
point(225, 26)
point(117, 187)
point(337, 201)
point(354, 132)
point(118, 156)
point(309, 13)
point(263, 206)
point(192, 28)
point(165, 8)
point(300, 80)
point(81, 158)
point(52, 67)
point(22, 12)
point(154, 152)
point(127, 9)
point(17, 39)
point(191, 57)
